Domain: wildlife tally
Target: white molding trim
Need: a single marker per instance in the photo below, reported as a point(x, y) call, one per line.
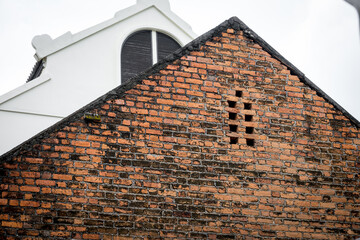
point(24, 88)
point(154, 47)
point(32, 113)
point(46, 46)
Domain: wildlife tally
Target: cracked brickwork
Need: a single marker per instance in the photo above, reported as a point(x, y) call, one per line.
point(182, 155)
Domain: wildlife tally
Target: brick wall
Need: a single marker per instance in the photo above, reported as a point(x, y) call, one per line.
point(221, 143)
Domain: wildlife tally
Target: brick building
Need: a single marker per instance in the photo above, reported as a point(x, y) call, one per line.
point(223, 139)
point(93, 62)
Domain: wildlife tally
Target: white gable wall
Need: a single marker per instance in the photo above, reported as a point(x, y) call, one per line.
point(79, 73)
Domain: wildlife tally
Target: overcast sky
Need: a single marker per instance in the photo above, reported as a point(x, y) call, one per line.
point(319, 37)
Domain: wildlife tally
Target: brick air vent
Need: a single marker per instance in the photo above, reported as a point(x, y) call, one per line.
point(250, 142)
point(232, 104)
point(233, 140)
point(247, 106)
point(232, 116)
point(238, 94)
point(233, 128)
point(249, 130)
point(248, 118)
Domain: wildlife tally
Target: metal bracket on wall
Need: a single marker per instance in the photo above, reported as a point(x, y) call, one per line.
point(92, 117)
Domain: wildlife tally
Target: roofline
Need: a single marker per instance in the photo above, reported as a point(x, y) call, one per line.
point(49, 46)
point(119, 91)
point(25, 87)
point(294, 70)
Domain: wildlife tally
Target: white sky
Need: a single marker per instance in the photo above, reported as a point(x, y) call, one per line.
point(319, 37)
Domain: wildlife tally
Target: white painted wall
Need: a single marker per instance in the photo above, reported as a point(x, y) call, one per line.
point(79, 68)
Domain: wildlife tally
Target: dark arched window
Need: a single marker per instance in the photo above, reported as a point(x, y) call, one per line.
point(143, 49)
point(136, 54)
point(165, 45)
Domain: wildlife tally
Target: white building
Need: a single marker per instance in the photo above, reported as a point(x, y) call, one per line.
point(75, 69)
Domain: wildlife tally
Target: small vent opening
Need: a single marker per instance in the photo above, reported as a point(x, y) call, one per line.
point(250, 142)
point(232, 116)
point(238, 93)
point(232, 104)
point(247, 106)
point(249, 130)
point(233, 140)
point(248, 118)
point(233, 128)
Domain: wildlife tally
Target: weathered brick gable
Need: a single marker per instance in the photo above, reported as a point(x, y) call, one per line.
point(223, 142)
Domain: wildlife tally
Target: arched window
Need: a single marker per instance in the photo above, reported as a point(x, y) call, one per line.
point(143, 49)
point(165, 45)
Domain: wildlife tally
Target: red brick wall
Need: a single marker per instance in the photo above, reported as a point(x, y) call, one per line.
point(167, 161)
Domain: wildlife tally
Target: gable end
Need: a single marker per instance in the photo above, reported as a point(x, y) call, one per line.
point(118, 92)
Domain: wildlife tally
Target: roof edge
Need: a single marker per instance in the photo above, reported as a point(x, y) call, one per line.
point(44, 45)
point(117, 92)
point(25, 87)
point(239, 25)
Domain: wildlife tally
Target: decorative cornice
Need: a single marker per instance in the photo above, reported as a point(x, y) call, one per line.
point(45, 45)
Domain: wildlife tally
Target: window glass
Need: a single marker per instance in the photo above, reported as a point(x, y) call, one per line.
point(136, 54)
point(165, 45)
